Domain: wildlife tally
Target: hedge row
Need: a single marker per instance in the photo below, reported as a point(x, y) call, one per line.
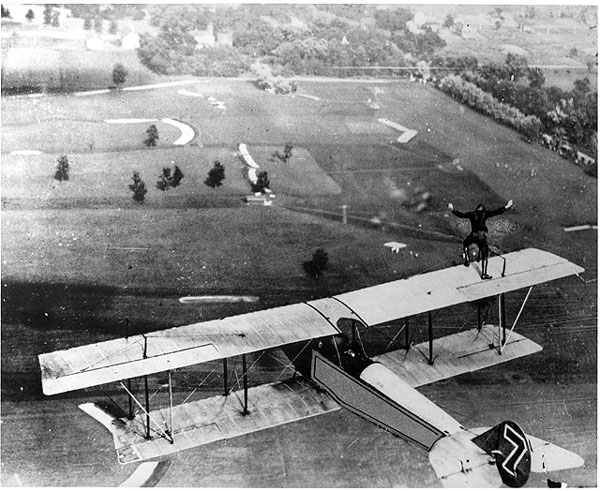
point(481, 101)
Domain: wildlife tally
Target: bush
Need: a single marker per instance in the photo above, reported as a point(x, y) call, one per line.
point(271, 83)
point(315, 267)
point(119, 75)
point(152, 133)
point(262, 182)
point(471, 95)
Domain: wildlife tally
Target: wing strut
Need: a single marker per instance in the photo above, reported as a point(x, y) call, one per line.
point(225, 388)
point(148, 417)
point(430, 330)
point(506, 339)
point(245, 378)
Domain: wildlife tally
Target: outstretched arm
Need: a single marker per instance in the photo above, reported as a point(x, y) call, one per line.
point(500, 210)
point(459, 214)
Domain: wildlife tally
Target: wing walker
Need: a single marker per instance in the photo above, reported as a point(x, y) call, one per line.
point(323, 341)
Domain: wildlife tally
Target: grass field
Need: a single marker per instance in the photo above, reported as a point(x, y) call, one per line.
point(79, 257)
point(66, 70)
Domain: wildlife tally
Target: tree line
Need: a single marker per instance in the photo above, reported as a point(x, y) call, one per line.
point(498, 89)
point(266, 33)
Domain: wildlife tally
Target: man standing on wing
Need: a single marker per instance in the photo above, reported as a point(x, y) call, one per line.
point(479, 232)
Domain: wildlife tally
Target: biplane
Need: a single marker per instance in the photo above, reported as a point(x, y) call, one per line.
point(322, 339)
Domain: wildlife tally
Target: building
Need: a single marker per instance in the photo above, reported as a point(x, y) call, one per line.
point(94, 43)
point(131, 40)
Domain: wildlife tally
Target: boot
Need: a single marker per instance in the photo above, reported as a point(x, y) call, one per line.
point(484, 275)
point(466, 256)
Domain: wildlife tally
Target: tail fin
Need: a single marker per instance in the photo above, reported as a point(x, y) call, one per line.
point(502, 454)
point(511, 450)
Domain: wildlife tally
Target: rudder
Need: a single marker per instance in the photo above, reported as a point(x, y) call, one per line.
point(510, 447)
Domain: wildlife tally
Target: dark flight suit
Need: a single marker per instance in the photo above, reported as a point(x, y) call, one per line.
point(478, 233)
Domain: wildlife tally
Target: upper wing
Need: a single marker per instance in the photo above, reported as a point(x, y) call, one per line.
point(177, 347)
point(139, 355)
point(456, 285)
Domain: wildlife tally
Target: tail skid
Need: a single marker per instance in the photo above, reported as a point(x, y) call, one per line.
point(502, 454)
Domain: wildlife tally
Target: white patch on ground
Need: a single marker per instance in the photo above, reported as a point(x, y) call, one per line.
point(512, 48)
point(140, 476)
point(187, 132)
point(189, 93)
point(26, 152)
point(313, 97)
point(407, 133)
point(129, 121)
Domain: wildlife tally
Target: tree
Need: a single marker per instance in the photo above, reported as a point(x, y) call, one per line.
point(216, 175)
point(536, 78)
point(114, 27)
point(152, 133)
point(169, 180)
point(177, 177)
point(5, 12)
point(98, 24)
point(62, 169)
point(315, 267)
point(262, 182)
point(30, 15)
point(47, 14)
point(119, 75)
point(448, 21)
point(394, 20)
point(55, 18)
point(138, 187)
point(163, 179)
point(87, 24)
point(287, 152)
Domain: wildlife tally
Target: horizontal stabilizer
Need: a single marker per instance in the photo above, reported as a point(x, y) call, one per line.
point(459, 463)
point(545, 456)
point(464, 352)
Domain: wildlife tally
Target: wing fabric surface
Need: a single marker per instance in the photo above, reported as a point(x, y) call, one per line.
point(139, 355)
point(216, 418)
point(456, 354)
point(177, 347)
point(455, 285)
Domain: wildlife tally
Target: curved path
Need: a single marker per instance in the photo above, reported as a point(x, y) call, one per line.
point(187, 132)
point(189, 93)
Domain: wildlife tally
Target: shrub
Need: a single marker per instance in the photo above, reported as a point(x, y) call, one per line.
point(315, 267)
point(271, 83)
point(152, 133)
point(262, 182)
point(119, 75)
point(476, 98)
